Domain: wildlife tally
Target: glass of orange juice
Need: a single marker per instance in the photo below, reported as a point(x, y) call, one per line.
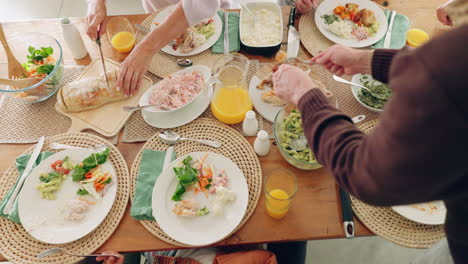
point(280, 188)
point(231, 99)
point(121, 34)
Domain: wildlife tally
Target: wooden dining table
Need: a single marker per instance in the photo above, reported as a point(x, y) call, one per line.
point(315, 212)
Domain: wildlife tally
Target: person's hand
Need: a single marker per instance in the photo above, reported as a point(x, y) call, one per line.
point(442, 14)
point(96, 18)
point(305, 6)
point(133, 69)
point(291, 83)
point(341, 60)
point(111, 260)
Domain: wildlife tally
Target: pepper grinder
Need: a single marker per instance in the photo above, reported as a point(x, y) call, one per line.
point(262, 143)
point(250, 124)
point(73, 39)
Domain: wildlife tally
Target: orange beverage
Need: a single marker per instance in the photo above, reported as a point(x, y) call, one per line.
point(231, 100)
point(277, 203)
point(121, 34)
point(123, 41)
point(280, 188)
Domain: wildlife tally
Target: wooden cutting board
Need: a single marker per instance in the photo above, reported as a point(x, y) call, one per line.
point(108, 119)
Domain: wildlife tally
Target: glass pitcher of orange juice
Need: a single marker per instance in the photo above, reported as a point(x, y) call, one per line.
point(231, 100)
point(121, 34)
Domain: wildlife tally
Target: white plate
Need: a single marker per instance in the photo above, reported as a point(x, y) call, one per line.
point(267, 110)
point(43, 218)
point(326, 7)
point(420, 212)
point(355, 89)
point(183, 115)
point(209, 42)
point(202, 230)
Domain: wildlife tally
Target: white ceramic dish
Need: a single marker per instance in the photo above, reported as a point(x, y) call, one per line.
point(421, 213)
point(256, 49)
point(267, 110)
point(326, 7)
point(355, 89)
point(209, 42)
point(43, 219)
point(202, 230)
point(206, 73)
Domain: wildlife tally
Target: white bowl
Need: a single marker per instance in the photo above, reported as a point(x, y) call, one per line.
point(144, 100)
point(357, 79)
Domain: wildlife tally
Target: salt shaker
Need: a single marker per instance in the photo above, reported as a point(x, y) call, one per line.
point(262, 143)
point(73, 39)
point(250, 124)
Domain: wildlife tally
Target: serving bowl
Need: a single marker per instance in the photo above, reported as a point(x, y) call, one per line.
point(278, 130)
point(263, 50)
point(355, 89)
point(44, 89)
point(145, 98)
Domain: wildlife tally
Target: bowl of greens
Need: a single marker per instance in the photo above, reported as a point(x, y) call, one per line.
point(378, 96)
point(41, 56)
point(290, 139)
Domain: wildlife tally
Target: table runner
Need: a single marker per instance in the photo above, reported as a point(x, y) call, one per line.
point(25, 123)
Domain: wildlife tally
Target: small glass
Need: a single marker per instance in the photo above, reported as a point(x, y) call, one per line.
point(280, 189)
point(231, 100)
point(121, 34)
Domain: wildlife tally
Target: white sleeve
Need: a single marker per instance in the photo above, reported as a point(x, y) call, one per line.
point(197, 10)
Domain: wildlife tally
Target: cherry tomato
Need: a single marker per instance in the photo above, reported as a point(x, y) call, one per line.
point(57, 166)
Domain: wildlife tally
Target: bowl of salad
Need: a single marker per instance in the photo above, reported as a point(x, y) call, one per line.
point(290, 139)
point(378, 96)
point(41, 56)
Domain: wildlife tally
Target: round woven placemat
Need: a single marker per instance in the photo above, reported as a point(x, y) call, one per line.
point(30, 120)
point(235, 147)
point(164, 64)
point(311, 37)
point(386, 223)
point(18, 246)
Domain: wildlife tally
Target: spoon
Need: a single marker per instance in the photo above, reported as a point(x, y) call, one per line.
point(376, 95)
point(172, 138)
point(134, 108)
point(184, 62)
point(20, 83)
point(300, 143)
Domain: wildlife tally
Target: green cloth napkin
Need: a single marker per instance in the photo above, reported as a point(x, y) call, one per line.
point(400, 27)
point(234, 38)
point(151, 166)
point(21, 163)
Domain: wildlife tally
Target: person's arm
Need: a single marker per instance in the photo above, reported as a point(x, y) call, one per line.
point(187, 13)
point(381, 62)
point(415, 154)
point(96, 18)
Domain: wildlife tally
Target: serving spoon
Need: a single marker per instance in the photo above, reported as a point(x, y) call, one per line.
point(134, 108)
point(373, 94)
point(171, 138)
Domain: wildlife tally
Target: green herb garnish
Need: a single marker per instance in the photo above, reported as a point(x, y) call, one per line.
point(203, 211)
point(187, 175)
point(89, 163)
point(46, 68)
point(377, 97)
point(47, 177)
point(82, 191)
point(329, 19)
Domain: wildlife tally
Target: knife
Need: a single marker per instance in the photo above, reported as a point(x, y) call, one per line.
point(347, 213)
point(98, 41)
point(226, 32)
point(9, 206)
point(294, 39)
point(388, 36)
point(142, 28)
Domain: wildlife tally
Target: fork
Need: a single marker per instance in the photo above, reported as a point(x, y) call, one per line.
point(54, 251)
point(15, 69)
